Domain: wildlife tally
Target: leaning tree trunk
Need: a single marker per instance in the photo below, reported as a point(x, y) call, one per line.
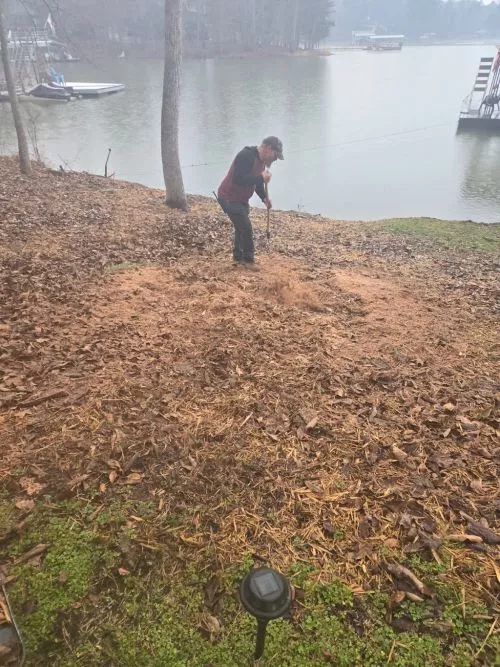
point(172, 174)
point(22, 141)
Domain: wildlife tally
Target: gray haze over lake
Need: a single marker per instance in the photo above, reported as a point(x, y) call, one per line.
point(367, 135)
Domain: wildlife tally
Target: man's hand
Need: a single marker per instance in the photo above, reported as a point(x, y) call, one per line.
point(269, 204)
point(267, 176)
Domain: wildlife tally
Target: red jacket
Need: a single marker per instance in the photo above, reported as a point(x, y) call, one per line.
point(244, 177)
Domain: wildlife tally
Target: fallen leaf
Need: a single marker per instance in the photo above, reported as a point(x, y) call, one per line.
point(212, 592)
point(213, 624)
point(488, 535)
point(117, 437)
point(477, 486)
point(391, 543)
point(76, 481)
point(133, 478)
point(405, 521)
point(113, 476)
point(449, 407)
point(29, 485)
point(364, 528)
point(443, 627)
point(32, 553)
point(486, 414)
point(42, 399)
point(399, 454)
point(468, 425)
point(26, 505)
point(372, 453)
point(308, 415)
point(465, 538)
point(429, 525)
point(419, 492)
point(361, 551)
point(312, 486)
point(404, 573)
point(312, 423)
point(210, 624)
point(328, 529)
point(301, 434)
point(412, 533)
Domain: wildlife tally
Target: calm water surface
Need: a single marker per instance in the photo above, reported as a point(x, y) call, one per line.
point(366, 135)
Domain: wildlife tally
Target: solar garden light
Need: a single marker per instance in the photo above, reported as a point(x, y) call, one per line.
point(266, 595)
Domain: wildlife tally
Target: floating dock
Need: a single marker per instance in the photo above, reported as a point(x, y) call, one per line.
point(481, 109)
point(83, 89)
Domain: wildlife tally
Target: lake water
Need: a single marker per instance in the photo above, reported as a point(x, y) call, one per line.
point(366, 135)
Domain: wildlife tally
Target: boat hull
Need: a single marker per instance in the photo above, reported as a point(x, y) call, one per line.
point(379, 49)
point(23, 97)
point(50, 92)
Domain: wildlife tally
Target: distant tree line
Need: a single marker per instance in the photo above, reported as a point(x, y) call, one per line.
point(211, 27)
point(414, 18)
point(217, 27)
point(222, 25)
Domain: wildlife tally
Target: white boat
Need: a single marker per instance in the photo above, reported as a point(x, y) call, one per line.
point(385, 43)
point(23, 97)
point(92, 89)
point(44, 101)
point(50, 92)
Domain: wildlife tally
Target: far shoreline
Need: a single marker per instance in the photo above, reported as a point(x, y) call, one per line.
point(155, 52)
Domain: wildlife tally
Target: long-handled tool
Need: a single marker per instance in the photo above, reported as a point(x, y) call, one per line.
point(217, 198)
point(268, 230)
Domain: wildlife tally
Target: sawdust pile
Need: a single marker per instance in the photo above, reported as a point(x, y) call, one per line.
point(338, 408)
point(290, 291)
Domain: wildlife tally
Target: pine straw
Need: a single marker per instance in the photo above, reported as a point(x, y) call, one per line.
point(338, 408)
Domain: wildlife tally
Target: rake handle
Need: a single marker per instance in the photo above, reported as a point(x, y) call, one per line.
point(268, 231)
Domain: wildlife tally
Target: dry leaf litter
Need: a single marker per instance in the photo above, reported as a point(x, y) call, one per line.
point(338, 408)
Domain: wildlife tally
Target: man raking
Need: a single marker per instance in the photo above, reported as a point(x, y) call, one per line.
point(248, 173)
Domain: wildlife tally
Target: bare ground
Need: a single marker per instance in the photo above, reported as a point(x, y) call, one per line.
point(340, 407)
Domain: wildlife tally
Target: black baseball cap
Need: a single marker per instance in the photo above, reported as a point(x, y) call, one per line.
point(276, 145)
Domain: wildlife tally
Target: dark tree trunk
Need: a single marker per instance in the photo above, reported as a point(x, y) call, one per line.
point(22, 141)
point(176, 197)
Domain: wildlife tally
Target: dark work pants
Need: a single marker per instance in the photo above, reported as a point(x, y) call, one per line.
point(243, 248)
